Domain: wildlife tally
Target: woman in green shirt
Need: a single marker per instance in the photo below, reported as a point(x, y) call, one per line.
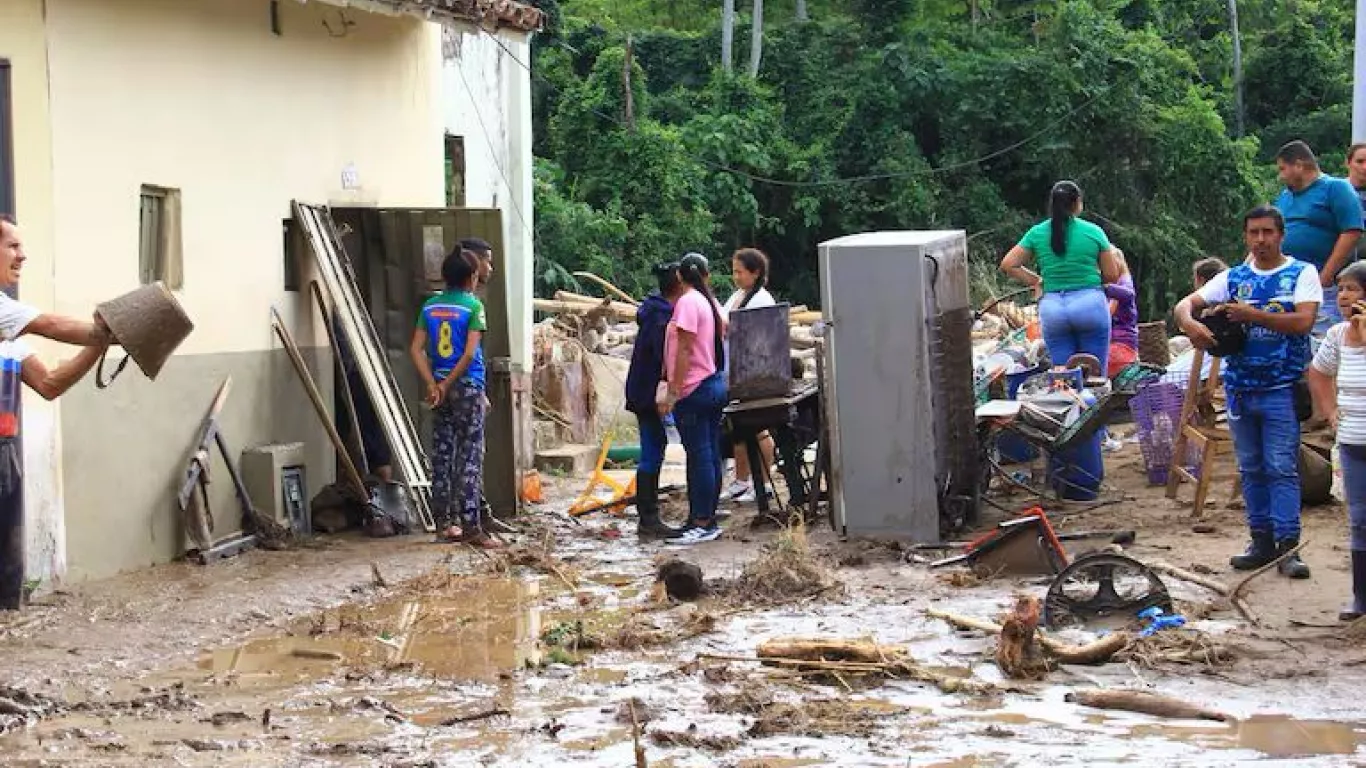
point(1075, 260)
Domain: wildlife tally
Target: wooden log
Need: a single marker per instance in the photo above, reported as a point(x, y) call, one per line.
point(1145, 703)
point(579, 298)
point(1019, 654)
point(607, 286)
point(828, 649)
point(805, 318)
point(1098, 652)
point(550, 306)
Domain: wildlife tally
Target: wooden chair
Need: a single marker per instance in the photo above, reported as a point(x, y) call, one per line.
point(1198, 428)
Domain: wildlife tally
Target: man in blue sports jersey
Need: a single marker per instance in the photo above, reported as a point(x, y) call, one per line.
point(446, 352)
point(1278, 299)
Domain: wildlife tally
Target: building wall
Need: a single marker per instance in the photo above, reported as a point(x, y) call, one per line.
point(201, 96)
point(24, 45)
point(486, 89)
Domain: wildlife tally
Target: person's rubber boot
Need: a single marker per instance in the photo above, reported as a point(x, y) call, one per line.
point(648, 524)
point(1357, 608)
point(490, 523)
point(1292, 567)
point(1260, 551)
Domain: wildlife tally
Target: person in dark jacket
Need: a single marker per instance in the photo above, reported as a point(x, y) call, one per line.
point(642, 382)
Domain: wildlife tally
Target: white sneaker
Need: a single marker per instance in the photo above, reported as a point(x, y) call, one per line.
point(695, 535)
point(738, 488)
point(749, 496)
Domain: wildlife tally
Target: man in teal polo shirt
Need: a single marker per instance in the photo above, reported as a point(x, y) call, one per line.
point(1323, 221)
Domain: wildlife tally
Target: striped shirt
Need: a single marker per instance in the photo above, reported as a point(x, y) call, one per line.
point(1348, 364)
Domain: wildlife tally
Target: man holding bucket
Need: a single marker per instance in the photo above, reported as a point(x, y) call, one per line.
point(17, 364)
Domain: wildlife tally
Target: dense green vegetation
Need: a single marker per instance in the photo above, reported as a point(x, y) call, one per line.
point(944, 114)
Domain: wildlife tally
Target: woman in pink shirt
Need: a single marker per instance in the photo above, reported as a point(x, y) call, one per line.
point(696, 395)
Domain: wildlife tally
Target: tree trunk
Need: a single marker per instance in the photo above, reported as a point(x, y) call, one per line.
point(1237, 68)
point(756, 39)
point(727, 33)
point(801, 11)
point(630, 106)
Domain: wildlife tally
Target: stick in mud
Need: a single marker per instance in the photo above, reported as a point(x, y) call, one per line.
point(461, 719)
point(1144, 703)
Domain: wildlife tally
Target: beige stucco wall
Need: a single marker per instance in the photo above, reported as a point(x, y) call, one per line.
point(201, 96)
point(24, 46)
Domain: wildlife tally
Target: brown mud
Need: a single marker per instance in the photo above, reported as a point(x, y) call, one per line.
point(303, 658)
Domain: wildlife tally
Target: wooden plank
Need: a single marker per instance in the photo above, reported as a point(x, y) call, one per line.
point(357, 327)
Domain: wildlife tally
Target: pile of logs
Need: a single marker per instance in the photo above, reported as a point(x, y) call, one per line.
point(607, 326)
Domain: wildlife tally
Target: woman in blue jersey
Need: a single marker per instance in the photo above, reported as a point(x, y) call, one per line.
point(446, 352)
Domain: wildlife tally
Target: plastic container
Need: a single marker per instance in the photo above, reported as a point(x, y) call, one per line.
point(1077, 472)
point(1012, 448)
point(11, 378)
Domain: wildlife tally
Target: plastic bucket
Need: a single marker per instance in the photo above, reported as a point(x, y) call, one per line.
point(1012, 448)
point(1077, 472)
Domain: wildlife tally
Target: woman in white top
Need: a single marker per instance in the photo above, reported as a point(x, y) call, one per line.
point(1341, 360)
point(749, 269)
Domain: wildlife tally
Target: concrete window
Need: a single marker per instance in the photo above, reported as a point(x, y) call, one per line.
point(159, 240)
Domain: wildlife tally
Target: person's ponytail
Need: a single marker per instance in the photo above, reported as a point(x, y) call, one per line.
point(1062, 201)
point(693, 269)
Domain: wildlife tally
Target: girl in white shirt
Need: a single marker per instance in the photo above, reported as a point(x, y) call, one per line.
point(749, 269)
point(1341, 361)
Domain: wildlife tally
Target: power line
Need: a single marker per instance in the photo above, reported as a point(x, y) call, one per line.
point(829, 182)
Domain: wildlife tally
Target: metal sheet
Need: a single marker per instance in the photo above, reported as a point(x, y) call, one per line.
point(878, 304)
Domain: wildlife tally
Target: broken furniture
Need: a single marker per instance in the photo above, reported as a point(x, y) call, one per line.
point(1103, 587)
point(1197, 429)
point(195, 508)
point(1024, 545)
point(898, 346)
point(1097, 586)
point(794, 422)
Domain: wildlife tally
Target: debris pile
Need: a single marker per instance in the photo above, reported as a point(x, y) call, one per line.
point(786, 569)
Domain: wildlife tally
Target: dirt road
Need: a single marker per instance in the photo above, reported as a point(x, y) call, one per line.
point(403, 653)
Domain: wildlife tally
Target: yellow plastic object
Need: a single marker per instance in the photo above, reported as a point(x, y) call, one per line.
point(589, 502)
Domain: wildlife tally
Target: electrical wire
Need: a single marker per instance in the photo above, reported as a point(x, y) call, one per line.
point(527, 229)
point(838, 181)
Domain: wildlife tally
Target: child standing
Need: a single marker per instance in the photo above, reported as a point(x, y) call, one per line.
point(445, 349)
point(1341, 360)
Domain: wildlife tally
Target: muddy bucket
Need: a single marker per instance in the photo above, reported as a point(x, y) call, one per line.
point(149, 324)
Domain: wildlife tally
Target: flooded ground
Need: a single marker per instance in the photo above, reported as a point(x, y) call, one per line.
point(565, 655)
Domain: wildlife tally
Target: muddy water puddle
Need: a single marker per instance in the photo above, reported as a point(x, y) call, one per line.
point(459, 675)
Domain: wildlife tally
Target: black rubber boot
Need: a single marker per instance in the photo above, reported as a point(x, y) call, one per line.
point(1357, 608)
point(1291, 567)
point(649, 525)
point(1260, 551)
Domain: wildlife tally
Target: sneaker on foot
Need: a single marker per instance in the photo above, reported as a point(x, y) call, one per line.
point(749, 496)
point(738, 488)
point(695, 534)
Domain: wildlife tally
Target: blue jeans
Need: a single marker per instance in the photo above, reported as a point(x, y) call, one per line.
point(1266, 437)
point(1076, 321)
point(699, 425)
point(653, 441)
point(1353, 461)
point(1329, 315)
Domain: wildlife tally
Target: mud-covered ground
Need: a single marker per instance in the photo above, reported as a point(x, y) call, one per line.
point(402, 653)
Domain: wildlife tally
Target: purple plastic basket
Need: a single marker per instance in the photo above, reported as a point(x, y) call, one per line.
point(1157, 412)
